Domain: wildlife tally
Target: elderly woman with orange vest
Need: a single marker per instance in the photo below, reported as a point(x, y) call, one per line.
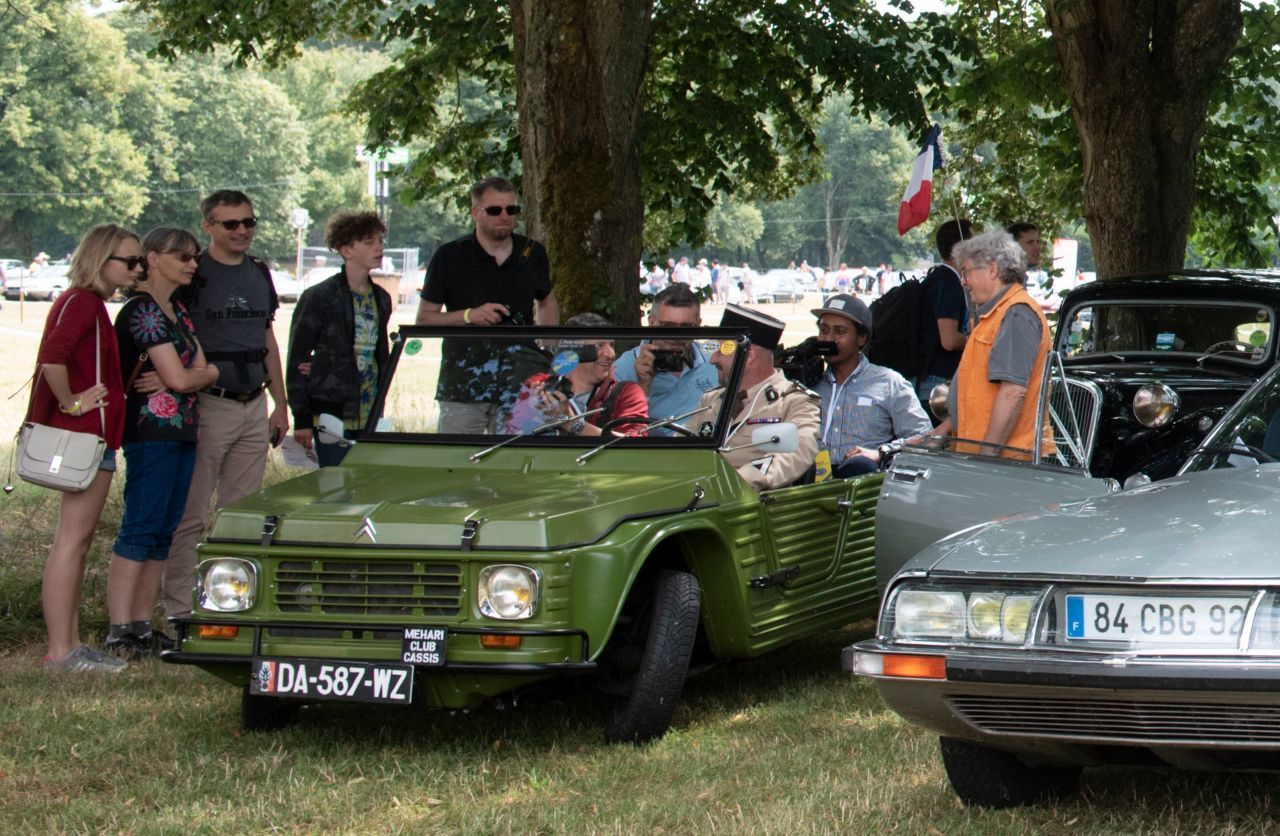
point(996, 390)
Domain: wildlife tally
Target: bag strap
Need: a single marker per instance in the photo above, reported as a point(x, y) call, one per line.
point(133, 375)
point(97, 370)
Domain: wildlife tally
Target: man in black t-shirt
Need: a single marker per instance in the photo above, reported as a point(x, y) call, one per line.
point(943, 330)
point(490, 277)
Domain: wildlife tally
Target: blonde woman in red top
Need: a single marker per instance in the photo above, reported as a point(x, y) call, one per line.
point(72, 393)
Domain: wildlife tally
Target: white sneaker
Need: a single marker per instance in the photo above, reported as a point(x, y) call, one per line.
point(83, 660)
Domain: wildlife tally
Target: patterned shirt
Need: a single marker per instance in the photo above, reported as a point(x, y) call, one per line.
point(161, 416)
point(873, 405)
point(366, 347)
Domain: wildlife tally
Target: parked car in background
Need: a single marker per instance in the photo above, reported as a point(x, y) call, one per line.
point(288, 288)
point(46, 284)
point(777, 285)
point(1139, 628)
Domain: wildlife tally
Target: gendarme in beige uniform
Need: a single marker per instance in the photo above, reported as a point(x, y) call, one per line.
point(773, 400)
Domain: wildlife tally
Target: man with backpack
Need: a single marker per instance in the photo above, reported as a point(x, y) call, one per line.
point(232, 303)
point(921, 325)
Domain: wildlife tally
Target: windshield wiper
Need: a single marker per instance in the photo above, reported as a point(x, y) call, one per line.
point(1240, 447)
point(652, 425)
point(477, 456)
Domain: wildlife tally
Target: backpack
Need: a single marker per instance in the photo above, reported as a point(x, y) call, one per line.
point(897, 336)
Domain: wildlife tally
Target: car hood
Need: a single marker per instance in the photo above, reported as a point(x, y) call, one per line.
point(1218, 524)
point(409, 506)
point(1180, 376)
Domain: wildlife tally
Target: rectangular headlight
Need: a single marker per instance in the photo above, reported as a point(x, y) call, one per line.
point(985, 615)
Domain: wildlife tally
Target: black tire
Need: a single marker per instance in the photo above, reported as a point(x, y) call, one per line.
point(265, 713)
point(660, 644)
point(986, 777)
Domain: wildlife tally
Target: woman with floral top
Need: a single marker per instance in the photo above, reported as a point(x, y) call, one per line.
point(338, 338)
point(155, 334)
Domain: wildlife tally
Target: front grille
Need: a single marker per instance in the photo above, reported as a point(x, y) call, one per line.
point(345, 587)
point(1121, 720)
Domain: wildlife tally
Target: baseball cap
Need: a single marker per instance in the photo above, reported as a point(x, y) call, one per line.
point(848, 306)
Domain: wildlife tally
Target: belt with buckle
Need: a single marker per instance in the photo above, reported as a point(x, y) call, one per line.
point(238, 397)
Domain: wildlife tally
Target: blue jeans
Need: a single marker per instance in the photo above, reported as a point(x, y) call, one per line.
point(156, 479)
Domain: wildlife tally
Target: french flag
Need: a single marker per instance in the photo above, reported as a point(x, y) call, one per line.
point(915, 203)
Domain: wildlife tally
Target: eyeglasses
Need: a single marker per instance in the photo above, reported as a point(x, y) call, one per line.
point(661, 324)
point(231, 226)
point(182, 255)
point(132, 262)
point(495, 211)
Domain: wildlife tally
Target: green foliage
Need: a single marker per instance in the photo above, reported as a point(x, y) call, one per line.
point(1014, 153)
point(66, 88)
point(734, 226)
point(731, 101)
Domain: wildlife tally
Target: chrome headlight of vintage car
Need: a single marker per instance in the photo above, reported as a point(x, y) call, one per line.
point(941, 614)
point(1155, 404)
point(508, 591)
point(1266, 625)
point(227, 584)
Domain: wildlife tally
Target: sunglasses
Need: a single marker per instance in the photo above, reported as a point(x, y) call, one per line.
point(495, 211)
point(231, 226)
point(182, 256)
point(132, 262)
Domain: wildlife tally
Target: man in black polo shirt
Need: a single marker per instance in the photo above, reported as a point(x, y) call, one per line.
point(490, 277)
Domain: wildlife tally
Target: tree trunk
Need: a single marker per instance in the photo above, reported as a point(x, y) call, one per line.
point(580, 68)
point(1139, 73)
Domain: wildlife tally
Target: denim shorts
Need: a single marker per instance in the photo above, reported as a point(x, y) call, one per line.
point(157, 476)
point(108, 462)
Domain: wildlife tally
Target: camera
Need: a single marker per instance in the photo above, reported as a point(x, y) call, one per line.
point(564, 386)
point(667, 360)
point(516, 318)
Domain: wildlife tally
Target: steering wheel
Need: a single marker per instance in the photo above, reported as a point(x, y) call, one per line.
point(623, 419)
point(1228, 345)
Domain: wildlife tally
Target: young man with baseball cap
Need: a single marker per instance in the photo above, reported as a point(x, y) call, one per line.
point(863, 405)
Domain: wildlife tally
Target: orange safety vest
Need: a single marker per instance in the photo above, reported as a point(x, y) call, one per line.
point(977, 394)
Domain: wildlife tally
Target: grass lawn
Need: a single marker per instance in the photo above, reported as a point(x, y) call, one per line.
point(786, 743)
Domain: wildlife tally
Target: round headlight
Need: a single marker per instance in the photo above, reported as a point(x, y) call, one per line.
point(938, 401)
point(227, 584)
point(1155, 404)
point(507, 591)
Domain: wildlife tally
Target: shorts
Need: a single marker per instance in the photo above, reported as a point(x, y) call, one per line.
point(157, 477)
point(108, 462)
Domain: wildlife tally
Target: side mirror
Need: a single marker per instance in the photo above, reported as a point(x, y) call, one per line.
point(329, 430)
point(772, 438)
point(938, 401)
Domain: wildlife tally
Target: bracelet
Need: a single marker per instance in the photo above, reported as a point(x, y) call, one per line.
point(466, 316)
point(75, 407)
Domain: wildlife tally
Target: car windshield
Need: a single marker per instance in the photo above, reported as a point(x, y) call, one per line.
point(1234, 331)
point(1248, 435)
point(554, 386)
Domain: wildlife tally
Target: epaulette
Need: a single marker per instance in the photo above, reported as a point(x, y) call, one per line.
point(800, 388)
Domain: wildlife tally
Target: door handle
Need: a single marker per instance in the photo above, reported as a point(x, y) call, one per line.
point(909, 474)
